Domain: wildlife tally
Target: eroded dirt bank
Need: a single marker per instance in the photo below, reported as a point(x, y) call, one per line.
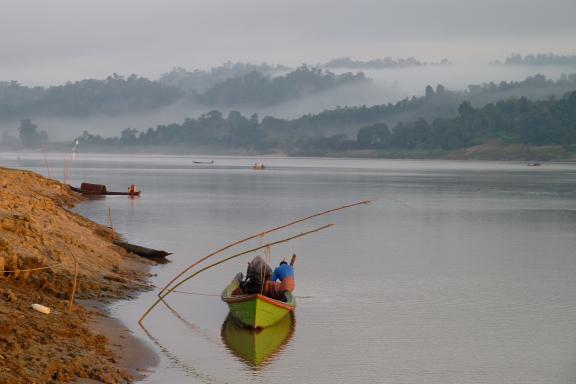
point(38, 231)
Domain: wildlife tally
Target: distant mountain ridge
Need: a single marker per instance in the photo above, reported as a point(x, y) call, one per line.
point(540, 59)
point(384, 63)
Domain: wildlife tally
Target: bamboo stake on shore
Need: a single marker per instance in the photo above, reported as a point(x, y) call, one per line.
point(73, 285)
point(46, 165)
point(45, 155)
point(66, 173)
point(161, 298)
point(111, 225)
point(255, 236)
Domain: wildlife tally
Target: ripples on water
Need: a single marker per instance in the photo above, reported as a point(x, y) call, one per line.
point(460, 272)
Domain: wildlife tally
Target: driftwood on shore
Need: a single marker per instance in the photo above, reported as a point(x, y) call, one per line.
point(139, 250)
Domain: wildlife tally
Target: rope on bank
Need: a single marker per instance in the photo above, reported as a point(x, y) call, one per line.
point(51, 267)
point(26, 270)
point(218, 294)
point(198, 293)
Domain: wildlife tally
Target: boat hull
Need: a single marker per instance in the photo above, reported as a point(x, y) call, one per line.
point(93, 193)
point(256, 311)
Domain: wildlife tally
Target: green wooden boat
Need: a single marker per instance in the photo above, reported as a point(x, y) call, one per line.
point(256, 310)
point(256, 347)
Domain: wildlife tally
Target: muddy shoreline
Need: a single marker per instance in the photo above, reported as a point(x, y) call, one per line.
point(132, 354)
point(41, 240)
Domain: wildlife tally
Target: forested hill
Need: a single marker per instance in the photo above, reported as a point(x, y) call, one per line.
point(437, 102)
point(517, 120)
point(117, 95)
point(113, 96)
point(257, 89)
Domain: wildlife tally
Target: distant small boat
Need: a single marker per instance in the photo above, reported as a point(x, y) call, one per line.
point(148, 253)
point(258, 167)
point(203, 162)
point(533, 164)
point(100, 190)
point(255, 310)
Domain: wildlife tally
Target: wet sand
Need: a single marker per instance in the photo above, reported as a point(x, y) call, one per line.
point(131, 353)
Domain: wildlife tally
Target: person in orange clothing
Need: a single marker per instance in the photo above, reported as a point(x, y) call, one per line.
point(132, 190)
point(285, 273)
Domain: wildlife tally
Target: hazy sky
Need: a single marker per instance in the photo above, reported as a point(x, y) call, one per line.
point(50, 41)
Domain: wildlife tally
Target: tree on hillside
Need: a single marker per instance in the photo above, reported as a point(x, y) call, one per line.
point(374, 136)
point(29, 135)
point(129, 136)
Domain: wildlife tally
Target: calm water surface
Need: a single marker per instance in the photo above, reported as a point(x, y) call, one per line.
point(459, 272)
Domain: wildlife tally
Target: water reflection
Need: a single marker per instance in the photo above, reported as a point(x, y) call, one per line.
point(257, 347)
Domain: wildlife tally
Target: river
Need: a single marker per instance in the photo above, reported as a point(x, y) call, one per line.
point(457, 272)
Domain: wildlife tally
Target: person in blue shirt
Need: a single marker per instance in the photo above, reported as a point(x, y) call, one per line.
point(285, 274)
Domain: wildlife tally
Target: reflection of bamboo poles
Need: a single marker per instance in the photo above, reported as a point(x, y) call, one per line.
point(189, 325)
point(175, 360)
point(226, 259)
point(255, 236)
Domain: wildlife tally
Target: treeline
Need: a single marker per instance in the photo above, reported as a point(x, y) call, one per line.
point(513, 121)
point(540, 59)
point(385, 63)
point(198, 80)
point(517, 120)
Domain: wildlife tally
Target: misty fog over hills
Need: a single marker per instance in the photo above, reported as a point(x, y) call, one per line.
point(107, 106)
point(533, 111)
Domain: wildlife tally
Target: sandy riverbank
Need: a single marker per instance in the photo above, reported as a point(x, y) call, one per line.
point(38, 232)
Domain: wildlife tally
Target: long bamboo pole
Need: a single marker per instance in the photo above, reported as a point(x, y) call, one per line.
point(255, 236)
point(161, 298)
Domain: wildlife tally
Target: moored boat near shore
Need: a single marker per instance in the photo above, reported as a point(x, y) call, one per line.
point(100, 190)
